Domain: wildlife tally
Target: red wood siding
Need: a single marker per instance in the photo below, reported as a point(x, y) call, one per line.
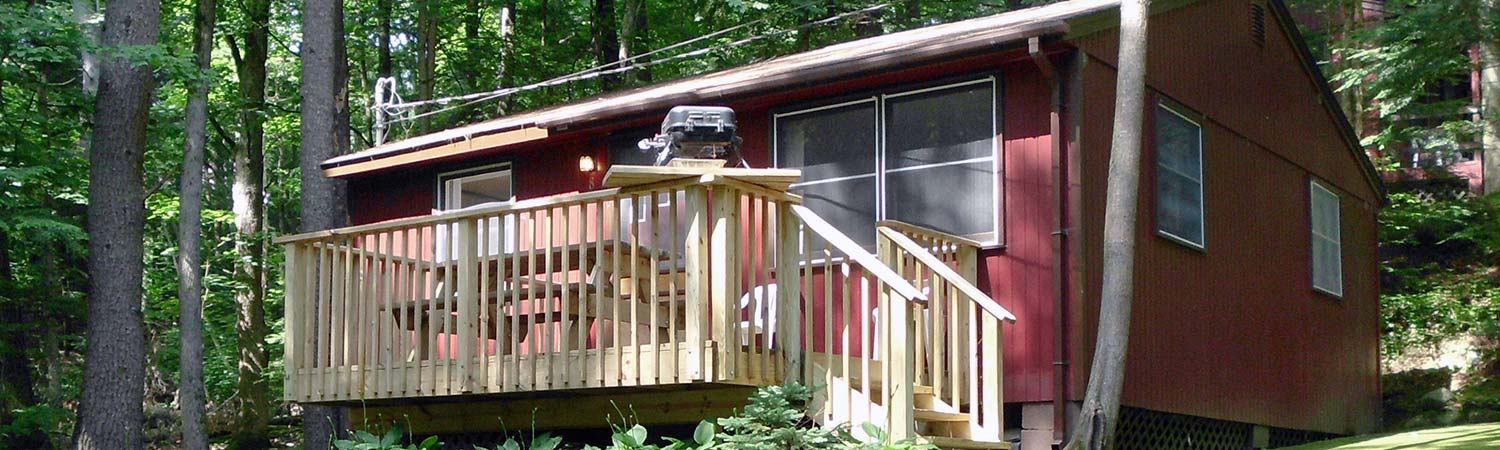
point(1235, 331)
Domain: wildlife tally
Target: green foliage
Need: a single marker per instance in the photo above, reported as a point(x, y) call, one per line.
point(1438, 276)
point(776, 419)
point(391, 440)
point(35, 426)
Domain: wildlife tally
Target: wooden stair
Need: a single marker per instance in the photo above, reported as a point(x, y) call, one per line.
point(945, 429)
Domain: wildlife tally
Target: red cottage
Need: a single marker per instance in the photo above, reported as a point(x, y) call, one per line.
point(917, 230)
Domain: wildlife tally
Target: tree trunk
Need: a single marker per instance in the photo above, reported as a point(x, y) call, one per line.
point(427, 36)
point(325, 134)
point(251, 427)
point(606, 41)
point(1489, 109)
point(110, 414)
point(190, 389)
point(507, 50)
point(633, 29)
point(83, 14)
point(1101, 403)
point(384, 11)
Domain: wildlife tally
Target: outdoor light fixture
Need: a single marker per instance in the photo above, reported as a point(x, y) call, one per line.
point(586, 163)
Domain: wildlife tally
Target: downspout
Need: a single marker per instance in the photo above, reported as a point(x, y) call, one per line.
point(1060, 269)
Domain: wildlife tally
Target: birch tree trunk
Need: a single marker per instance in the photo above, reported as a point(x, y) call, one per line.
point(1489, 100)
point(110, 414)
point(325, 134)
point(1101, 403)
point(248, 194)
point(507, 50)
point(190, 391)
point(633, 29)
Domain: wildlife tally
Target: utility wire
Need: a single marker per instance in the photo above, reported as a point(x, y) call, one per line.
point(601, 70)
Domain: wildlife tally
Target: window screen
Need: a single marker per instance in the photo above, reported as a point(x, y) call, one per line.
point(624, 148)
point(1179, 177)
point(835, 148)
point(939, 143)
point(926, 157)
point(1327, 250)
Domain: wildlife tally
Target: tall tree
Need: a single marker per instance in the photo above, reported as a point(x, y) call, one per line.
point(503, 73)
point(1489, 97)
point(190, 235)
point(383, 11)
point(110, 415)
point(427, 37)
point(251, 429)
point(325, 134)
point(633, 30)
point(1099, 414)
point(606, 40)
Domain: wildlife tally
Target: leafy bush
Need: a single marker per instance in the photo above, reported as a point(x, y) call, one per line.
point(774, 419)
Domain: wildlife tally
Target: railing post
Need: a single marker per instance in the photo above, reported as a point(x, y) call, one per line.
point(295, 283)
point(898, 349)
point(468, 287)
point(991, 414)
point(697, 272)
point(721, 262)
point(789, 289)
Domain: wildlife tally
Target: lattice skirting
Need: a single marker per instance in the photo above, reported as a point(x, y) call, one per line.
point(1142, 429)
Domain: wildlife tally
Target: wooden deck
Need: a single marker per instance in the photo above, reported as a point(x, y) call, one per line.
point(680, 278)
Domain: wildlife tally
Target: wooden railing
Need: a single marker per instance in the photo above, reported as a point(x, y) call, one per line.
point(605, 288)
point(671, 280)
point(957, 345)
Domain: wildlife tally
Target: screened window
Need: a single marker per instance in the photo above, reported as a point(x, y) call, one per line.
point(925, 157)
point(1327, 249)
point(1179, 177)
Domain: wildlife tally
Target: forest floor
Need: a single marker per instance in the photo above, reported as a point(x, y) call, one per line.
point(1484, 436)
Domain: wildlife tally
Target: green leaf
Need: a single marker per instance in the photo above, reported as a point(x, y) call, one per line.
point(431, 443)
point(391, 437)
point(638, 434)
point(704, 433)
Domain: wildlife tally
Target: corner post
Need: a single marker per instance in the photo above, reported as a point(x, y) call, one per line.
point(696, 267)
point(722, 266)
point(292, 317)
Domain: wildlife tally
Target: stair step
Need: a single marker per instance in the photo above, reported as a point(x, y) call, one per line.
point(966, 444)
point(940, 416)
point(922, 390)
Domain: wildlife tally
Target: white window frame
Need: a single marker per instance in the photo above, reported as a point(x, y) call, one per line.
point(445, 179)
point(1315, 188)
point(444, 199)
point(997, 237)
point(1202, 200)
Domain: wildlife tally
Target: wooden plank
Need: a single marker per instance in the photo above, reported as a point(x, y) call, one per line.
point(564, 332)
point(617, 376)
point(993, 373)
point(789, 312)
point(291, 317)
point(513, 371)
point(654, 219)
point(720, 269)
point(626, 175)
point(599, 290)
point(450, 150)
point(672, 273)
point(696, 263)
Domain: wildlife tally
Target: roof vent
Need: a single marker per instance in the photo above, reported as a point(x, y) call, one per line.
point(1258, 24)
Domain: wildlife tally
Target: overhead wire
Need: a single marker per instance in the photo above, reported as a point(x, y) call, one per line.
point(603, 69)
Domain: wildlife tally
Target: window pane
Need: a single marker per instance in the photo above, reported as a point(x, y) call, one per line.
point(939, 159)
point(1179, 168)
point(831, 143)
point(940, 126)
point(1327, 258)
point(847, 205)
point(958, 199)
point(828, 144)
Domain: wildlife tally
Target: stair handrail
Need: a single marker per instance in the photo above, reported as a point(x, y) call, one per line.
point(861, 257)
point(947, 274)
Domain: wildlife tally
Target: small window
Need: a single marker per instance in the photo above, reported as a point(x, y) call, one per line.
point(476, 187)
point(1327, 248)
point(1179, 177)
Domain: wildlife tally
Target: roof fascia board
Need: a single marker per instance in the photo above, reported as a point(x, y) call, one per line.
point(453, 149)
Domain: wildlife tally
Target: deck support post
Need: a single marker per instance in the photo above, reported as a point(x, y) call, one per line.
point(295, 282)
point(468, 288)
point(696, 266)
point(898, 350)
point(789, 291)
